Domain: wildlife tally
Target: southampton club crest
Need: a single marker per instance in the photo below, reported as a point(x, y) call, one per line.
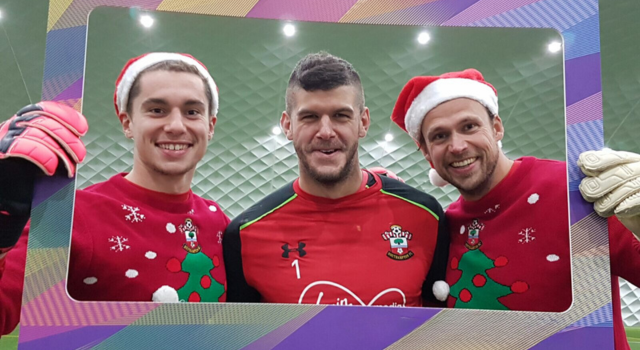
point(399, 241)
point(191, 236)
point(473, 238)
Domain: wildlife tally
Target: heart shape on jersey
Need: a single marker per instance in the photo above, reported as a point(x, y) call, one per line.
point(352, 294)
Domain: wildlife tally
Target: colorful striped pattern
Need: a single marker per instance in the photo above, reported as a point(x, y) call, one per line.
point(51, 320)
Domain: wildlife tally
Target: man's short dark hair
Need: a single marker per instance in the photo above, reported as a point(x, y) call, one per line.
point(322, 71)
point(169, 66)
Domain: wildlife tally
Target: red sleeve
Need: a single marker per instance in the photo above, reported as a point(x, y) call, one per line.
point(11, 281)
point(624, 252)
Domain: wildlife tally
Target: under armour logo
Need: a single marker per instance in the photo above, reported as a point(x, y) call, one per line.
point(287, 250)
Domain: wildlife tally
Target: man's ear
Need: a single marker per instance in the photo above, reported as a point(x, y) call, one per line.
point(422, 146)
point(498, 127)
point(365, 122)
point(212, 124)
point(425, 153)
point(125, 120)
point(285, 124)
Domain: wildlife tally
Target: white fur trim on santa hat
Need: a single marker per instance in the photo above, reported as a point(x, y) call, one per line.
point(132, 72)
point(165, 294)
point(441, 290)
point(446, 89)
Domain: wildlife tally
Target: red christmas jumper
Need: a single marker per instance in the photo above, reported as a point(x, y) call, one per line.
point(127, 242)
point(510, 249)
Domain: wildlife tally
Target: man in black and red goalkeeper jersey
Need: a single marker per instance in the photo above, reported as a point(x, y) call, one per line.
point(337, 234)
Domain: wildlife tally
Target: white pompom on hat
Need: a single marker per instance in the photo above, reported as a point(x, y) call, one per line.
point(424, 93)
point(137, 65)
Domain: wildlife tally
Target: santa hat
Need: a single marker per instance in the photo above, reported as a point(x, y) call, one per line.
point(424, 93)
point(136, 65)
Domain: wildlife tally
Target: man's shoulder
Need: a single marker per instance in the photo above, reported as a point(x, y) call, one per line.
point(407, 193)
point(547, 171)
point(547, 163)
point(207, 201)
point(102, 187)
point(264, 207)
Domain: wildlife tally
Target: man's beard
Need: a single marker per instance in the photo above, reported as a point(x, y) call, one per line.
point(334, 178)
point(481, 187)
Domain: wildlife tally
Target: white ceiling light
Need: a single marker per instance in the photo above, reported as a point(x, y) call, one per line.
point(146, 21)
point(555, 47)
point(289, 29)
point(424, 38)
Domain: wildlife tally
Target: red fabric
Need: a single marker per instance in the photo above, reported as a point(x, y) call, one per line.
point(624, 249)
point(11, 280)
point(346, 259)
point(129, 257)
point(98, 216)
point(523, 243)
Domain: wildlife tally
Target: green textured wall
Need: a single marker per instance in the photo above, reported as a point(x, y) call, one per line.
point(251, 59)
point(23, 29)
point(620, 50)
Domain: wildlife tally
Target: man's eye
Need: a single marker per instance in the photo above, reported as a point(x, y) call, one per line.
point(193, 112)
point(156, 110)
point(342, 115)
point(438, 137)
point(308, 116)
point(470, 126)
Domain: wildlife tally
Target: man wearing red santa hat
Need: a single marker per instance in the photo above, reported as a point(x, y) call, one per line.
point(510, 227)
point(139, 236)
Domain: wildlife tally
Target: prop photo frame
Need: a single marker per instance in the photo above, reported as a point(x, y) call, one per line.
point(51, 319)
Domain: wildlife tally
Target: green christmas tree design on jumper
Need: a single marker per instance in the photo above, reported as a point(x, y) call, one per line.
point(200, 286)
point(475, 289)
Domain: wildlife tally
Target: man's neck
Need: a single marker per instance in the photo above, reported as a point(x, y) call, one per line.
point(349, 185)
point(154, 181)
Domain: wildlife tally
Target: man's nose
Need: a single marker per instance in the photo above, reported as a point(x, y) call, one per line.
point(458, 143)
point(326, 128)
point(175, 122)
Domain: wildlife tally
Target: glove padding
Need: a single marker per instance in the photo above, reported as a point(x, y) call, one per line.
point(385, 172)
point(44, 132)
point(612, 182)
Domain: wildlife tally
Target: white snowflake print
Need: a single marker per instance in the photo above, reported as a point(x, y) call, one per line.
point(533, 198)
point(134, 215)
point(190, 212)
point(131, 273)
point(219, 237)
point(552, 258)
point(492, 210)
point(119, 243)
point(526, 235)
point(213, 208)
point(171, 228)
